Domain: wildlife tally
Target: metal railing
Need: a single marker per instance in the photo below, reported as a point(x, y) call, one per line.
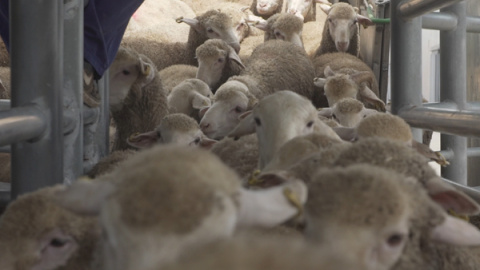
point(44, 128)
point(453, 116)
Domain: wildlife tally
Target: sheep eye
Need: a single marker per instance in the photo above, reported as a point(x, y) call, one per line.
point(159, 135)
point(210, 30)
point(126, 72)
point(238, 109)
point(334, 116)
point(395, 240)
point(220, 60)
point(57, 243)
point(355, 22)
point(330, 20)
point(257, 121)
point(310, 124)
point(197, 141)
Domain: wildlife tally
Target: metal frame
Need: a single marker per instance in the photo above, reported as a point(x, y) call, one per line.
point(43, 125)
point(453, 115)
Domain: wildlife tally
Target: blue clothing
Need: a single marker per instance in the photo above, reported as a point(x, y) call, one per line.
point(105, 22)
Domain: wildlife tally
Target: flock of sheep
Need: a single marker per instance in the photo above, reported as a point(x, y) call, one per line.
point(235, 150)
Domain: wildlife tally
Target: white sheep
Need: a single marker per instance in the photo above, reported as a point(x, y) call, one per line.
point(175, 74)
point(278, 118)
point(137, 99)
point(35, 233)
point(304, 9)
point(275, 65)
point(341, 30)
point(383, 219)
point(348, 112)
point(184, 198)
point(189, 97)
point(266, 8)
point(211, 24)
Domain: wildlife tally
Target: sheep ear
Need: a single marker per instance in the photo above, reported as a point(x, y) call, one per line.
point(203, 111)
point(369, 96)
point(85, 197)
point(232, 55)
point(361, 76)
point(325, 2)
point(319, 82)
point(147, 69)
point(52, 256)
point(207, 143)
point(245, 127)
point(271, 179)
point(345, 133)
point(328, 72)
point(272, 206)
point(365, 21)
point(200, 101)
point(456, 232)
point(325, 8)
point(425, 151)
point(450, 198)
point(326, 112)
point(192, 22)
point(144, 140)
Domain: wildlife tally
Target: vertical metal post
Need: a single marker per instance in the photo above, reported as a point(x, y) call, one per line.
point(453, 87)
point(73, 88)
point(36, 35)
point(103, 138)
point(406, 55)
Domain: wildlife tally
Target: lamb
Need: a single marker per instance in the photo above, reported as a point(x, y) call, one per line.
point(211, 24)
point(173, 75)
point(306, 10)
point(258, 253)
point(217, 61)
point(109, 163)
point(341, 31)
point(189, 97)
point(398, 228)
point(137, 100)
point(274, 66)
point(342, 75)
point(283, 26)
point(266, 8)
point(278, 118)
point(208, 203)
point(156, 21)
point(35, 233)
point(348, 112)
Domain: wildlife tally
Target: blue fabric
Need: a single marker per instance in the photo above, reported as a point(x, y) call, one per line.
point(105, 22)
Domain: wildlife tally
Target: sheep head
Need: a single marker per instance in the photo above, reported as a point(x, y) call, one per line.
point(283, 26)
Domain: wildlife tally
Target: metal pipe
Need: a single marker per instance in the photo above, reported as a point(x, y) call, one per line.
point(21, 124)
point(473, 193)
point(453, 87)
point(473, 24)
point(462, 123)
point(410, 9)
point(73, 89)
point(89, 116)
point(5, 149)
point(4, 104)
point(406, 80)
point(36, 35)
point(471, 152)
point(439, 21)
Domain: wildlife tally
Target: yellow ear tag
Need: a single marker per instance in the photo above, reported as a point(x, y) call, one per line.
point(131, 137)
point(453, 213)
point(179, 19)
point(147, 71)
point(253, 181)
point(293, 200)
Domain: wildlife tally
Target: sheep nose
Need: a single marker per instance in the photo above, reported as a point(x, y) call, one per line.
point(204, 126)
point(262, 5)
point(342, 46)
point(292, 11)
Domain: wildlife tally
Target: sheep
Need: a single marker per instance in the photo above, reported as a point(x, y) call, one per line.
point(256, 253)
point(342, 75)
point(189, 97)
point(211, 24)
point(35, 233)
point(241, 155)
point(266, 8)
point(348, 112)
point(396, 156)
point(173, 75)
point(4, 55)
point(137, 100)
point(278, 118)
point(109, 163)
point(383, 218)
point(283, 26)
point(5, 83)
point(274, 66)
point(156, 21)
point(341, 31)
point(217, 61)
point(306, 10)
point(184, 198)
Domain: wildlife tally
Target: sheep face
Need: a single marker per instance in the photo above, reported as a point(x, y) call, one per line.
point(299, 8)
point(337, 87)
point(350, 112)
point(267, 7)
point(285, 27)
point(219, 26)
point(364, 210)
point(342, 25)
point(128, 69)
point(229, 102)
point(189, 97)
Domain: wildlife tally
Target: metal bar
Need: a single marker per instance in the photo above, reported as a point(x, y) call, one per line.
point(473, 24)
point(90, 116)
point(73, 89)
point(36, 35)
point(462, 123)
point(4, 104)
point(5, 149)
point(471, 152)
point(410, 9)
point(473, 193)
point(406, 81)
point(103, 138)
point(439, 21)
point(21, 124)
point(453, 87)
